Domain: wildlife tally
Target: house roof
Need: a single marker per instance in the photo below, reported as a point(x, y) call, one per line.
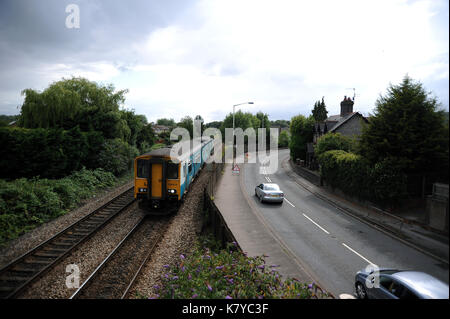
point(346, 119)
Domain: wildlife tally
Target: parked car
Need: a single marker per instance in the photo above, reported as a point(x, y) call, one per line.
point(269, 192)
point(400, 284)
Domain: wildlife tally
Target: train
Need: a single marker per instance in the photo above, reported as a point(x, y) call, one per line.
point(162, 182)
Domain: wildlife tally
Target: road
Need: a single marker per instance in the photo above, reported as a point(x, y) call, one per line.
point(330, 243)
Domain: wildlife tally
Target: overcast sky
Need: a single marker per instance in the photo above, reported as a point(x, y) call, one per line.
point(186, 57)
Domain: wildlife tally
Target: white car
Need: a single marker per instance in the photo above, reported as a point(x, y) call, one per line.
point(269, 192)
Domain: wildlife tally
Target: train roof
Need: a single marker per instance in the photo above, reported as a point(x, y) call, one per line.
point(165, 151)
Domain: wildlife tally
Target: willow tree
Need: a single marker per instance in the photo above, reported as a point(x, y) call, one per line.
point(76, 101)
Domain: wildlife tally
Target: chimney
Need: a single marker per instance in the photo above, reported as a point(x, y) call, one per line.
point(346, 106)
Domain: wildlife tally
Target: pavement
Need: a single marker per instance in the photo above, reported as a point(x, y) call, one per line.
point(254, 235)
point(415, 234)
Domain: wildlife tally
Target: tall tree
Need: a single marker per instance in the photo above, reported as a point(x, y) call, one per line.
point(319, 111)
point(301, 133)
point(407, 129)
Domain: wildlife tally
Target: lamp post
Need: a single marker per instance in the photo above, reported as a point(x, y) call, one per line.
point(233, 125)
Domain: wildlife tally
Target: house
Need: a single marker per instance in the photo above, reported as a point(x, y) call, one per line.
point(158, 129)
point(347, 123)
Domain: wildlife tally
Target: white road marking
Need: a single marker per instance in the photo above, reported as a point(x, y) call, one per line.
point(317, 224)
point(358, 254)
point(289, 202)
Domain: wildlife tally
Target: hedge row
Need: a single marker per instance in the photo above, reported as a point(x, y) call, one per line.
point(27, 203)
point(54, 153)
point(351, 173)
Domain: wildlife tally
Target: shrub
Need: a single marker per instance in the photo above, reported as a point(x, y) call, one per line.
point(228, 274)
point(27, 203)
point(333, 141)
point(353, 174)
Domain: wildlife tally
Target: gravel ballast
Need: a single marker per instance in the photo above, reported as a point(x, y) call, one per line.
point(180, 238)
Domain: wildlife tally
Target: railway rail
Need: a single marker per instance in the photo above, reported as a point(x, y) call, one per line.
point(116, 274)
point(24, 270)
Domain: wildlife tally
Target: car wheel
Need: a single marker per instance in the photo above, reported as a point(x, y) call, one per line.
point(261, 199)
point(361, 291)
point(256, 194)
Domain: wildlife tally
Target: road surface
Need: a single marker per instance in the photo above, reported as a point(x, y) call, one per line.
point(331, 244)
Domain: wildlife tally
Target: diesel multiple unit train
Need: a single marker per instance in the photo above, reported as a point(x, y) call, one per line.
point(161, 182)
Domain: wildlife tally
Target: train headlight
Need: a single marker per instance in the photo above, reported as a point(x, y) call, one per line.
point(142, 190)
point(172, 191)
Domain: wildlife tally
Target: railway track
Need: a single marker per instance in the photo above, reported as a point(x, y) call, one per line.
point(116, 274)
point(24, 270)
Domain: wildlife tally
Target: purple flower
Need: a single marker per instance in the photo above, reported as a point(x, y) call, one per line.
point(175, 277)
point(274, 266)
point(219, 267)
point(234, 243)
point(231, 281)
point(183, 269)
point(310, 286)
point(189, 277)
point(156, 287)
point(261, 266)
point(182, 256)
point(166, 275)
point(166, 266)
point(228, 297)
point(194, 296)
point(209, 287)
point(260, 297)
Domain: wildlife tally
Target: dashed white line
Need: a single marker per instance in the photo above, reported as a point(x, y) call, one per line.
point(358, 254)
point(317, 224)
point(289, 202)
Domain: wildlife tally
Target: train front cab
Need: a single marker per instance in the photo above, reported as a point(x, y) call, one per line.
point(156, 183)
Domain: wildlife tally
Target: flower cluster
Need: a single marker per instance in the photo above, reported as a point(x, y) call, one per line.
point(228, 274)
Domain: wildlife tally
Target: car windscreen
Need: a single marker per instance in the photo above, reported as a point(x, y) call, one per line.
point(271, 188)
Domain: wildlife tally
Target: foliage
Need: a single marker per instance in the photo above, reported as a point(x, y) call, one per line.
point(27, 203)
point(319, 111)
point(407, 129)
point(333, 141)
point(188, 123)
point(6, 119)
point(283, 139)
point(50, 153)
point(117, 156)
point(354, 175)
point(301, 133)
point(228, 274)
point(167, 122)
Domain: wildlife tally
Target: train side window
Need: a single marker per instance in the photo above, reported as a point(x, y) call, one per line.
point(172, 170)
point(189, 167)
point(142, 168)
point(212, 151)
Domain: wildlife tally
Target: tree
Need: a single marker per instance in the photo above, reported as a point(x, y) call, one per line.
point(408, 130)
point(283, 140)
point(187, 123)
point(301, 133)
point(167, 122)
point(319, 111)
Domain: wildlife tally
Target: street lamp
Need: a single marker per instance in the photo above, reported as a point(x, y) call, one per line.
point(233, 124)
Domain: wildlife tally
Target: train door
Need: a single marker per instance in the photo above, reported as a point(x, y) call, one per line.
point(156, 180)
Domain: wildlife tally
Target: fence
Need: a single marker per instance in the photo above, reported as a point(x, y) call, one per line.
point(213, 219)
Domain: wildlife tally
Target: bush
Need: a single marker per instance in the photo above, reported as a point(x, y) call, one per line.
point(351, 173)
point(333, 141)
point(27, 203)
point(228, 274)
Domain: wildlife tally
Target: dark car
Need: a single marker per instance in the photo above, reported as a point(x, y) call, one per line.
point(269, 192)
point(399, 284)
